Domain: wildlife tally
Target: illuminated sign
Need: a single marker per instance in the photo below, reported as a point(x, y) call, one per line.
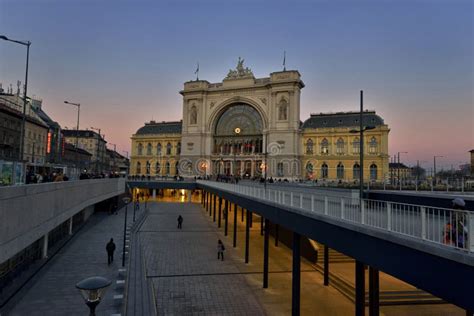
point(48, 145)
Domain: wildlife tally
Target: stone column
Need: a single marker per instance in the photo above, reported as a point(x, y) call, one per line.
point(189, 195)
point(154, 193)
point(252, 170)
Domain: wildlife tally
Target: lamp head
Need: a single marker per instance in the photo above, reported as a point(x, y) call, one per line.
point(3, 37)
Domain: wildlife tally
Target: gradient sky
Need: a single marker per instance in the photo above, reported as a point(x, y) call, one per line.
point(125, 61)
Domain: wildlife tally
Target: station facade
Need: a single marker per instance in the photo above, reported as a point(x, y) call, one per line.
point(251, 127)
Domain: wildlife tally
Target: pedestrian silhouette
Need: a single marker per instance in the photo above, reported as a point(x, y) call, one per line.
point(220, 250)
point(110, 251)
point(180, 222)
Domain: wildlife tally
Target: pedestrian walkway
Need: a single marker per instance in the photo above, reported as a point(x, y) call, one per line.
point(52, 291)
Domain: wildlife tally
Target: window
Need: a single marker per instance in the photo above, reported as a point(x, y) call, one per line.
point(148, 167)
point(280, 169)
point(193, 115)
point(356, 171)
point(373, 172)
point(148, 149)
point(325, 147)
point(309, 147)
point(178, 148)
point(140, 149)
point(158, 149)
point(340, 146)
point(167, 168)
point(168, 149)
point(373, 145)
point(356, 146)
point(139, 168)
point(157, 168)
point(176, 168)
point(324, 171)
point(340, 171)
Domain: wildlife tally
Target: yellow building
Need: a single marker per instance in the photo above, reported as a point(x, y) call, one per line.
point(156, 149)
point(330, 152)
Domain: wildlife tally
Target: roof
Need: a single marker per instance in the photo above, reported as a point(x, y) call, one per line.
point(81, 133)
point(46, 118)
point(7, 109)
point(342, 119)
point(71, 147)
point(160, 128)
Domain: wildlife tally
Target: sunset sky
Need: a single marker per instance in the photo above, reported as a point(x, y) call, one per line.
point(125, 61)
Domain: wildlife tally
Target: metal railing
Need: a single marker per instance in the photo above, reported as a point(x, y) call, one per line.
point(447, 227)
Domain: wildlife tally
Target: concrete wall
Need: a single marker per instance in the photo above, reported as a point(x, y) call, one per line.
point(29, 212)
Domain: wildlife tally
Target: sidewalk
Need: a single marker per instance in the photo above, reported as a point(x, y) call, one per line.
point(52, 291)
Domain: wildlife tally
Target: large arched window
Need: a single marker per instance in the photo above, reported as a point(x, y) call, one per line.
point(309, 169)
point(356, 171)
point(158, 149)
point(340, 171)
point(356, 146)
point(324, 171)
point(340, 146)
point(139, 168)
point(373, 172)
point(309, 147)
point(148, 167)
point(324, 147)
point(168, 149)
point(167, 168)
point(373, 145)
point(157, 168)
point(178, 148)
point(193, 115)
point(140, 149)
point(148, 149)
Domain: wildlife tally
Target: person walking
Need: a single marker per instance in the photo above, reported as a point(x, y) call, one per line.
point(110, 251)
point(220, 250)
point(180, 222)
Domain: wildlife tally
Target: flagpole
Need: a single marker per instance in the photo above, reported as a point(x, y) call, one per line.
point(284, 60)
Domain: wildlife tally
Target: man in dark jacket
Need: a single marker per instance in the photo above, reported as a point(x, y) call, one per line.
point(180, 222)
point(110, 251)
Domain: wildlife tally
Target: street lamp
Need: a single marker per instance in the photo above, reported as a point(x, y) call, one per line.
point(23, 120)
point(434, 167)
point(125, 200)
point(93, 290)
point(361, 131)
point(78, 113)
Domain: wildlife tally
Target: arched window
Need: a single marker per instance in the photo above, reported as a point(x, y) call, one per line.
point(139, 168)
point(309, 146)
point(178, 148)
point(309, 169)
point(167, 168)
point(158, 149)
point(340, 171)
point(157, 168)
point(373, 172)
point(373, 145)
point(340, 146)
point(176, 168)
point(140, 149)
point(356, 171)
point(148, 167)
point(324, 171)
point(193, 115)
point(168, 149)
point(324, 147)
point(283, 110)
point(280, 169)
point(148, 149)
point(356, 146)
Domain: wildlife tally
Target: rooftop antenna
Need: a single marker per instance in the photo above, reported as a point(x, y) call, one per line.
point(197, 72)
point(284, 60)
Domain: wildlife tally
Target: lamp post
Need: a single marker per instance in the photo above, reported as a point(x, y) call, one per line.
point(361, 131)
point(434, 167)
point(23, 119)
point(78, 114)
point(125, 200)
point(93, 290)
point(399, 167)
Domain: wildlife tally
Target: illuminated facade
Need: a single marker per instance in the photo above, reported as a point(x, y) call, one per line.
point(251, 128)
